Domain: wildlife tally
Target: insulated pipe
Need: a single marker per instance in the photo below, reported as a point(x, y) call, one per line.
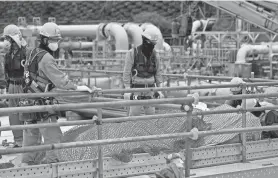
point(71, 30)
point(115, 30)
point(153, 29)
point(76, 45)
point(253, 49)
point(134, 33)
point(71, 45)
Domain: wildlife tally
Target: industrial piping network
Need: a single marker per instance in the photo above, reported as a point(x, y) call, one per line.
point(122, 33)
point(254, 49)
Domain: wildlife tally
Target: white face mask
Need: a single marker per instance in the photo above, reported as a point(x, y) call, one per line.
point(6, 46)
point(53, 46)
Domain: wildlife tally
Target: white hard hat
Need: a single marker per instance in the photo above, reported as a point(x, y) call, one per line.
point(14, 32)
point(150, 36)
point(250, 103)
point(237, 80)
point(51, 30)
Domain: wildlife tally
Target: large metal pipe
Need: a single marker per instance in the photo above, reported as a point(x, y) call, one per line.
point(71, 30)
point(134, 33)
point(76, 45)
point(254, 49)
point(116, 31)
point(156, 31)
point(71, 45)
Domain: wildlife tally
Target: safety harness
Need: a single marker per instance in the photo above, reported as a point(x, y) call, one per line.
point(142, 68)
point(32, 80)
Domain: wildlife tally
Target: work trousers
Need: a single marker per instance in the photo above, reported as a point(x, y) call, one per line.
point(32, 137)
point(136, 110)
point(14, 118)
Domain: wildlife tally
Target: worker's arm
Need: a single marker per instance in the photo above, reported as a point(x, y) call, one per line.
point(50, 69)
point(158, 76)
point(129, 61)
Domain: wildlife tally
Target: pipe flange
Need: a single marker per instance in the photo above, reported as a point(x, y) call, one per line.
point(101, 30)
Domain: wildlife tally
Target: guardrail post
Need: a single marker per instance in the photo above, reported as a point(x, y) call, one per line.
point(100, 153)
point(188, 84)
point(243, 135)
point(252, 77)
point(89, 79)
point(188, 150)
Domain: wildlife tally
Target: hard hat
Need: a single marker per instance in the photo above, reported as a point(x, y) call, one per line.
point(14, 32)
point(237, 80)
point(250, 103)
point(50, 30)
point(150, 36)
point(173, 156)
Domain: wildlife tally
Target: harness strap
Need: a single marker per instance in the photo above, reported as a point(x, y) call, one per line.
point(29, 62)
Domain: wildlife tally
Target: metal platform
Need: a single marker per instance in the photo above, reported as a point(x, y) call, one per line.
point(225, 159)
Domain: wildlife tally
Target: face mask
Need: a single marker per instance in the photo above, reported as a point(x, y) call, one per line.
point(53, 46)
point(6, 46)
point(147, 48)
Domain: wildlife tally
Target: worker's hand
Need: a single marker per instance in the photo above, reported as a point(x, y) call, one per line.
point(84, 88)
point(127, 96)
point(160, 95)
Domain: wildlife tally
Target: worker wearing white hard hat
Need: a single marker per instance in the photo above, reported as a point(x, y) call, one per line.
point(236, 91)
point(15, 53)
point(238, 103)
point(42, 75)
point(142, 70)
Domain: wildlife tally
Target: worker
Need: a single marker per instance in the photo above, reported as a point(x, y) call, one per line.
point(15, 49)
point(238, 91)
point(42, 75)
point(142, 70)
point(174, 167)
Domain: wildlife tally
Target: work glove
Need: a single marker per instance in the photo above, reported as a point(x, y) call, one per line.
point(127, 96)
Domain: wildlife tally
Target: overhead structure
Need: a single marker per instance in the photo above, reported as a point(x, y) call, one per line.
point(249, 13)
point(272, 5)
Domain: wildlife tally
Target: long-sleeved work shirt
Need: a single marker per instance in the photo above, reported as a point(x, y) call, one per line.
point(129, 62)
point(48, 69)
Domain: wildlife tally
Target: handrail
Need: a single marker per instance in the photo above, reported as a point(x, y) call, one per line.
point(184, 100)
point(133, 118)
point(100, 92)
point(175, 75)
point(131, 139)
